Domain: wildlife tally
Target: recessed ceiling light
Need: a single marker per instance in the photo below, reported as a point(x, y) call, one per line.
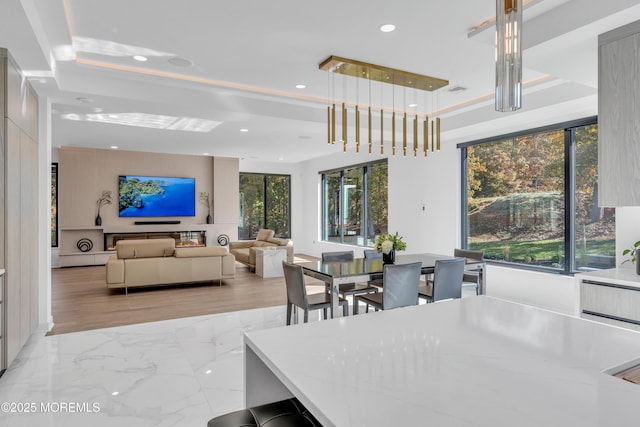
point(208, 371)
point(114, 147)
point(180, 62)
point(387, 28)
point(140, 58)
point(205, 154)
point(281, 158)
point(244, 130)
point(300, 86)
point(115, 393)
point(413, 105)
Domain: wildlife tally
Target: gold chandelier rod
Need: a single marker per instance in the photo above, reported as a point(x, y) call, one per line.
point(379, 73)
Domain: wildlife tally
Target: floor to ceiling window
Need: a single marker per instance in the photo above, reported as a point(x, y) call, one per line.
point(265, 202)
point(531, 199)
point(354, 203)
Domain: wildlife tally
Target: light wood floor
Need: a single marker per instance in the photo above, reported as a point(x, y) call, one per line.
point(81, 301)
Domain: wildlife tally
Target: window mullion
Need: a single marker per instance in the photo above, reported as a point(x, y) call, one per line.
point(570, 200)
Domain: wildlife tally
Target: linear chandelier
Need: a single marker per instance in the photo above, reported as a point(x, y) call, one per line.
point(352, 71)
point(508, 55)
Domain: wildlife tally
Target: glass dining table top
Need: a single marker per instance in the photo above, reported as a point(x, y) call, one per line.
point(364, 266)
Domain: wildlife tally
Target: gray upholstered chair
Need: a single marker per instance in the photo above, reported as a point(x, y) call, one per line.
point(447, 280)
point(347, 289)
point(297, 294)
point(371, 254)
point(470, 279)
point(399, 289)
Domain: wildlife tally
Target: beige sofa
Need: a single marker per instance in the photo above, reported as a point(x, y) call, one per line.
point(245, 250)
point(148, 262)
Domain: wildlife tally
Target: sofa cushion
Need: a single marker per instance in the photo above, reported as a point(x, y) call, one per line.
point(265, 234)
point(278, 241)
point(200, 252)
point(145, 248)
point(259, 244)
point(242, 255)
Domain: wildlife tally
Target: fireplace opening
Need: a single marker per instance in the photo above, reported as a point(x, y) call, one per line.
point(184, 239)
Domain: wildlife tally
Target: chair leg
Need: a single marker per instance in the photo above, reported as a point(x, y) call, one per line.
point(324, 312)
point(345, 310)
point(295, 314)
point(306, 315)
point(355, 305)
point(289, 307)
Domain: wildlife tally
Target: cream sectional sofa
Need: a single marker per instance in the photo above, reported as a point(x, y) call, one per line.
point(245, 250)
point(149, 262)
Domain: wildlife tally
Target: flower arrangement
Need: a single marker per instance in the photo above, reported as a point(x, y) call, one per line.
point(204, 198)
point(105, 199)
point(385, 243)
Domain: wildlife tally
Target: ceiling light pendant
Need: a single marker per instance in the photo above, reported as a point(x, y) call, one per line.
point(351, 69)
point(508, 55)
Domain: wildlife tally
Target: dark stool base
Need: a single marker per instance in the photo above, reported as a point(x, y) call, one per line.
point(285, 413)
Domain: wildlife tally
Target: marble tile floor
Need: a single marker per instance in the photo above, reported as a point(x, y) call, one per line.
point(179, 372)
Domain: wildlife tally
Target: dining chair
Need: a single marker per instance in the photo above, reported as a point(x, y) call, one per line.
point(371, 254)
point(399, 289)
point(346, 289)
point(297, 295)
point(447, 280)
point(470, 279)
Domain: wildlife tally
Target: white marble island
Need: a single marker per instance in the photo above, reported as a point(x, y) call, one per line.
point(470, 362)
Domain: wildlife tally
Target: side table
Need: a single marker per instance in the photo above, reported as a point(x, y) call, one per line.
point(269, 261)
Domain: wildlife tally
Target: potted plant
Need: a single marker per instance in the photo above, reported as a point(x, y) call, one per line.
point(388, 244)
point(204, 198)
point(104, 199)
point(634, 254)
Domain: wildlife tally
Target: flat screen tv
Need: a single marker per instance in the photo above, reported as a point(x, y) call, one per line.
point(156, 196)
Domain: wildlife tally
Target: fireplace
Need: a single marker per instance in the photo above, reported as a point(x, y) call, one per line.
point(183, 239)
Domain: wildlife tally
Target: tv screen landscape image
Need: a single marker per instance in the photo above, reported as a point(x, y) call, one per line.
point(156, 196)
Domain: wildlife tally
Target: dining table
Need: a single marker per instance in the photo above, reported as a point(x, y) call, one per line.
point(333, 274)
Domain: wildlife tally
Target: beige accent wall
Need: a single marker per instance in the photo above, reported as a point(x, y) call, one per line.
point(19, 208)
point(84, 173)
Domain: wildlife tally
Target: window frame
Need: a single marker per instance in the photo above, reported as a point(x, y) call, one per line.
point(366, 167)
point(264, 198)
point(569, 128)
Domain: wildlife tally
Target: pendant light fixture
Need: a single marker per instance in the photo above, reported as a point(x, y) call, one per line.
point(508, 55)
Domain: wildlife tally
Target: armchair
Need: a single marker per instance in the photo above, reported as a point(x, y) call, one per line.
point(245, 250)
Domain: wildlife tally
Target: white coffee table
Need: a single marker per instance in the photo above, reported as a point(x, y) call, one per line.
point(269, 261)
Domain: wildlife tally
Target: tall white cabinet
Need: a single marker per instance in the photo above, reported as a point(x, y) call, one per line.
point(19, 208)
point(619, 116)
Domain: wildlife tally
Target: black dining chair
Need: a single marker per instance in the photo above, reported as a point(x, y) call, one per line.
point(470, 279)
point(399, 289)
point(447, 280)
point(297, 295)
point(348, 289)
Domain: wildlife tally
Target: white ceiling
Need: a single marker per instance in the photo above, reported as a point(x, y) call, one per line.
point(248, 55)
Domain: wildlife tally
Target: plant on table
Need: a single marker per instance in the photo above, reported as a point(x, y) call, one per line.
point(631, 252)
point(385, 243)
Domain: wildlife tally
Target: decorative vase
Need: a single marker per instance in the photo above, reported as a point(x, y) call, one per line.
point(638, 261)
point(209, 219)
point(98, 219)
point(389, 258)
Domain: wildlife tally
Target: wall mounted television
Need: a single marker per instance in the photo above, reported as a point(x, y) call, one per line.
point(156, 196)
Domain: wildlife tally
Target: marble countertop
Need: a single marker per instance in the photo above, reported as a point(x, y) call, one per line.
point(618, 276)
point(476, 361)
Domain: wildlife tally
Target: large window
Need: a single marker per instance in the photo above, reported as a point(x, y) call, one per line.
point(354, 204)
point(531, 199)
point(265, 202)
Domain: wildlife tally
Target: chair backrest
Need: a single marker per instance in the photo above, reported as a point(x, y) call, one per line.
point(400, 285)
point(447, 278)
point(337, 256)
point(466, 253)
point(372, 254)
point(296, 290)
